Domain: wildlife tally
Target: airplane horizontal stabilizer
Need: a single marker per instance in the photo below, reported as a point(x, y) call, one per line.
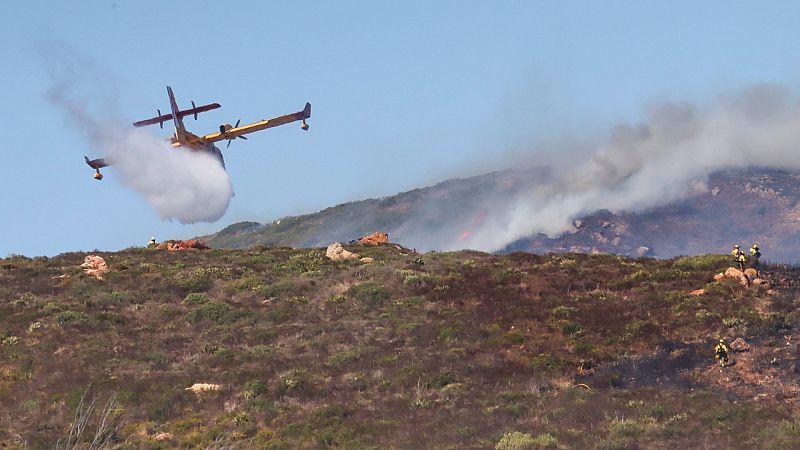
point(186, 112)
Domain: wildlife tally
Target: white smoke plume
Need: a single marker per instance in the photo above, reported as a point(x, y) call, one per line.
point(188, 186)
point(180, 184)
point(664, 159)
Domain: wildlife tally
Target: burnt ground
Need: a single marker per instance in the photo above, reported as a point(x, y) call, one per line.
point(769, 367)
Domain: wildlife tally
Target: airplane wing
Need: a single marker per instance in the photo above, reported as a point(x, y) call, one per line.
point(233, 133)
point(161, 118)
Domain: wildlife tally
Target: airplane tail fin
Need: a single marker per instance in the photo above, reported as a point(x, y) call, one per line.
point(97, 164)
point(176, 116)
point(305, 114)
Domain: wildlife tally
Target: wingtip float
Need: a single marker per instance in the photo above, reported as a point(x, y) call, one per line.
point(185, 139)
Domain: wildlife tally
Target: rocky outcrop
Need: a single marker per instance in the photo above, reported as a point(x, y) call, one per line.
point(336, 252)
point(375, 238)
point(203, 387)
point(734, 274)
point(747, 277)
point(95, 266)
point(177, 246)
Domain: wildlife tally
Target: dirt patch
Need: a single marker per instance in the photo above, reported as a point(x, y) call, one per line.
point(767, 370)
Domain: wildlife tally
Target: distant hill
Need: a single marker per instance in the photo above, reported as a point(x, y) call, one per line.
point(415, 218)
point(744, 206)
point(761, 206)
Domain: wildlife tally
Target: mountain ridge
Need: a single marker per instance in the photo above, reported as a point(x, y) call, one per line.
point(736, 206)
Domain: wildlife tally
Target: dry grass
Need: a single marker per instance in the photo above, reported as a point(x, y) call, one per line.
point(444, 350)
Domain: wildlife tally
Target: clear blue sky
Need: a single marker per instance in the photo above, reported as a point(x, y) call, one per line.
point(405, 94)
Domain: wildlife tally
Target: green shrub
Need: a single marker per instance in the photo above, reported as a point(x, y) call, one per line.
point(563, 311)
point(298, 300)
point(640, 327)
point(511, 272)
point(249, 283)
point(625, 428)
point(441, 380)
point(517, 410)
point(369, 292)
point(659, 412)
point(23, 300)
point(119, 297)
point(329, 416)
point(511, 396)
point(702, 262)
point(418, 280)
point(449, 334)
point(338, 360)
point(53, 307)
point(196, 298)
point(336, 299)
point(570, 328)
point(193, 282)
point(211, 272)
point(286, 289)
point(70, 317)
point(725, 414)
point(732, 322)
point(515, 337)
point(293, 381)
point(253, 389)
point(669, 274)
point(213, 311)
point(34, 326)
point(260, 350)
point(309, 264)
point(704, 314)
point(546, 440)
point(515, 440)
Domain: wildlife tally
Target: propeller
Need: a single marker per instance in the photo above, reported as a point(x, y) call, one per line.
point(240, 137)
point(161, 122)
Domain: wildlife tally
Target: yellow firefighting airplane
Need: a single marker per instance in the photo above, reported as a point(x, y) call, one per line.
point(183, 138)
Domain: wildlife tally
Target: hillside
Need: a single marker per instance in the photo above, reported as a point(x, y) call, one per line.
point(756, 205)
point(436, 350)
point(412, 218)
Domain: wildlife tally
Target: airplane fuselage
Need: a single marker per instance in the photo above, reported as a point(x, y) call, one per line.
point(193, 142)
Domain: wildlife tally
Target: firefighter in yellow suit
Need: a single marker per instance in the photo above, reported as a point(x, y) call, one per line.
point(721, 353)
point(737, 254)
point(756, 254)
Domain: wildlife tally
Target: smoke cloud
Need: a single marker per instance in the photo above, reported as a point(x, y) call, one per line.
point(183, 185)
point(666, 158)
point(180, 184)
